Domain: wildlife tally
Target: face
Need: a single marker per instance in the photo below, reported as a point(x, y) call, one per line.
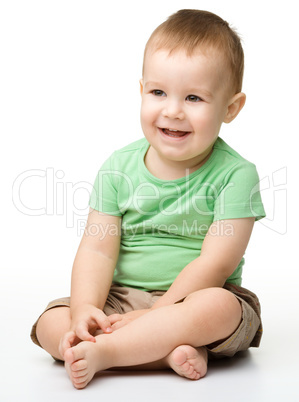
point(184, 103)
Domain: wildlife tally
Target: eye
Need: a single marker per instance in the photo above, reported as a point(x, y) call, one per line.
point(158, 92)
point(193, 98)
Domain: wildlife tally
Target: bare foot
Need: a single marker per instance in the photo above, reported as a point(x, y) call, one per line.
point(189, 362)
point(83, 361)
point(87, 358)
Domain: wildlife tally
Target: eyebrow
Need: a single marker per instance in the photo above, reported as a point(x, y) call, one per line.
point(203, 92)
point(152, 84)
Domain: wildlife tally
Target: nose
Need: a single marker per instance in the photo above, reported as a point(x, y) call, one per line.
point(173, 110)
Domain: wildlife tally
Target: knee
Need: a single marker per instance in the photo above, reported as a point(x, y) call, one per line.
point(51, 326)
point(53, 321)
point(215, 312)
point(218, 302)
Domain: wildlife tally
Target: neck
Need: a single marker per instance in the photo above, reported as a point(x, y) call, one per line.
point(172, 170)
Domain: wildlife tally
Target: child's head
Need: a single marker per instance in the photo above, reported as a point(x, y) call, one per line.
point(196, 30)
point(192, 78)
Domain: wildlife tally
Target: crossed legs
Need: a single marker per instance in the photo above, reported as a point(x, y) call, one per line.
point(171, 336)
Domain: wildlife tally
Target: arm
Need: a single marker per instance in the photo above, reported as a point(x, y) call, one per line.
point(95, 260)
point(92, 276)
point(222, 250)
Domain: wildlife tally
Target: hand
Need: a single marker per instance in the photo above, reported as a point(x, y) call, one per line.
point(120, 320)
point(86, 320)
point(67, 341)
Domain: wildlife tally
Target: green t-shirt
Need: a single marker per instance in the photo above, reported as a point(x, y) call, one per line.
point(164, 222)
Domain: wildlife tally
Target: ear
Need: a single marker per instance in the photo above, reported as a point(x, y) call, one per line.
point(141, 86)
point(235, 105)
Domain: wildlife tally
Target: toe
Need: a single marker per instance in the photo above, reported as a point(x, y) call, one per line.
point(80, 385)
point(188, 362)
point(75, 353)
point(190, 371)
point(195, 376)
point(78, 374)
point(69, 356)
point(80, 382)
point(187, 370)
point(79, 365)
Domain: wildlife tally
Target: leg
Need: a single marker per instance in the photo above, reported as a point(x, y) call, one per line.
point(185, 360)
point(52, 325)
point(55, 322)
point(204, 317)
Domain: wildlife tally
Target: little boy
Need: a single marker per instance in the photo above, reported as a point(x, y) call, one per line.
point(161, 287)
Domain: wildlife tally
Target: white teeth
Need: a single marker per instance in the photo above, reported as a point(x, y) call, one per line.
point(173, 130)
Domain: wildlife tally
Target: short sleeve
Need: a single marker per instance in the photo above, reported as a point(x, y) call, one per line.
point(104, 195)
point(240, 195)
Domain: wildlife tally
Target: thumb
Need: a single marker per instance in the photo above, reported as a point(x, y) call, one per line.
point(66, 342)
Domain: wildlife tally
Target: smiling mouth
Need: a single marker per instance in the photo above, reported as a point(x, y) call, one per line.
point(174, 133)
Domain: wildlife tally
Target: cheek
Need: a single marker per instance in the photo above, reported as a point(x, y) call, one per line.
point(142, 112)
point(147, 113)
point(146, 120)
point(208, 121)
point(143, 118)
point(203, 121)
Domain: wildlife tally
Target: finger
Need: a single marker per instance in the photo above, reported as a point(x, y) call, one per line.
point(69, 339)
point(113, 318)
point(118, 324)
point(103, 322)
point(66, 342)
point(83, 334)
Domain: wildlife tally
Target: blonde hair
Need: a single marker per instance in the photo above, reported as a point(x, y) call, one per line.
point(190, 30)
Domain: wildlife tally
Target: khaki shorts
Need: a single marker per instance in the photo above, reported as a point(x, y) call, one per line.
point(121, 300)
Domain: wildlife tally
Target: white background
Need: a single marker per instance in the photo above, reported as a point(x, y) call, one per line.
point(69, 96)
